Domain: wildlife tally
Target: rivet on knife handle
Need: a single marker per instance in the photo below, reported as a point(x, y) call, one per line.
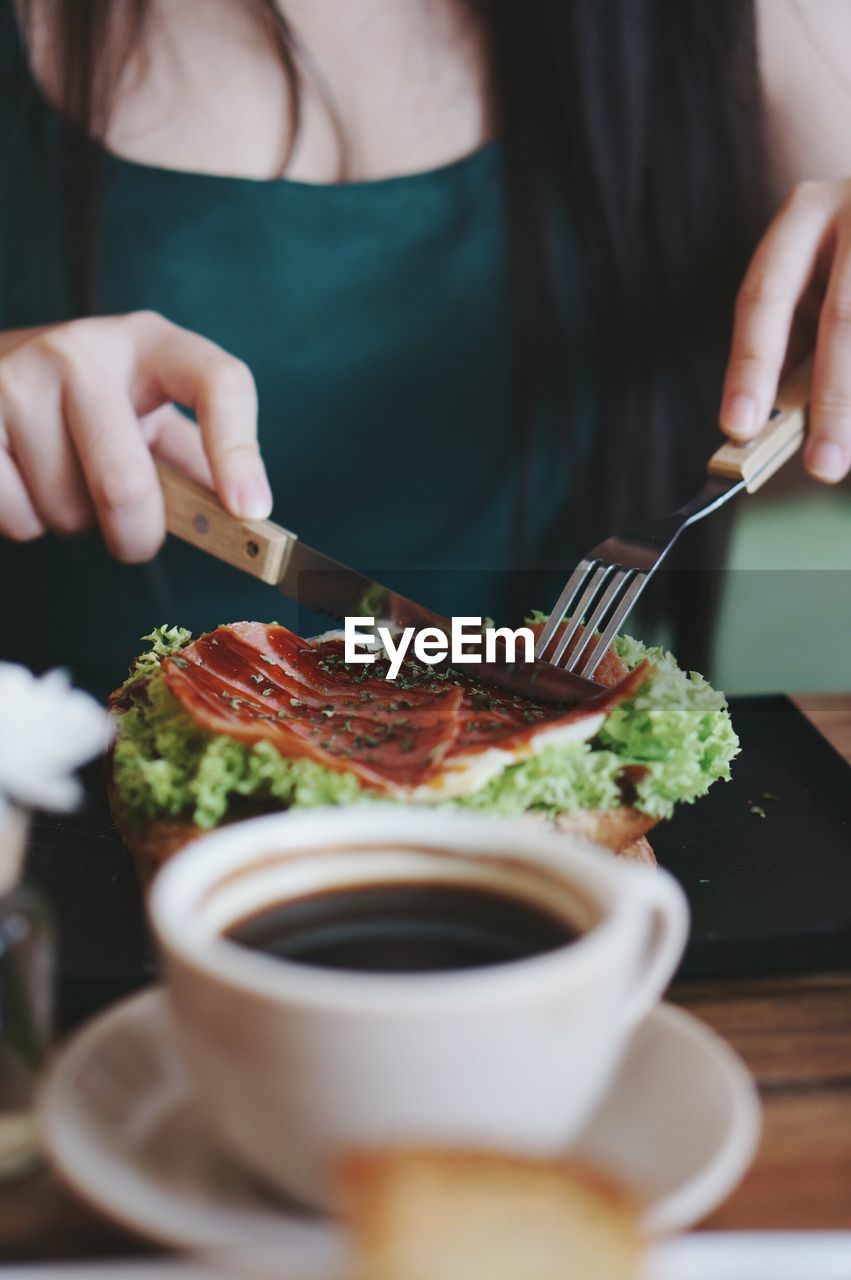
point(258, 547)
point(781, 436)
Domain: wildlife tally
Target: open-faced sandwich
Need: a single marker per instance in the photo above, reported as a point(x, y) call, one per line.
point(250, 717)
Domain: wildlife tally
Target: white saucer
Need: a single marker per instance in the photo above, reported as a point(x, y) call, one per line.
point(121, 1125)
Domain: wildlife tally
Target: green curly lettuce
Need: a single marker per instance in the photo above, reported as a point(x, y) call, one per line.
point(165, 766)
point(676, 727)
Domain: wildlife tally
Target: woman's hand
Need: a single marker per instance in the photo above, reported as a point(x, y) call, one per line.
point(84, 405)
point(796, 295)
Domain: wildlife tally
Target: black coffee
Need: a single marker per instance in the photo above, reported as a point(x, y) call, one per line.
point(405, 927)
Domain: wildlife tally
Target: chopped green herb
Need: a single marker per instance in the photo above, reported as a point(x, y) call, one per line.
point(483, 701)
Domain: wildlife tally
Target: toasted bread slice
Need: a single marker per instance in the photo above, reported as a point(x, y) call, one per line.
point(621, 830)
point(431, 1214)
point(152, 846)
point(640, 850)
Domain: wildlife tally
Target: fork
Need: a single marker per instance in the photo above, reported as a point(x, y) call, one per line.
point(606, 584)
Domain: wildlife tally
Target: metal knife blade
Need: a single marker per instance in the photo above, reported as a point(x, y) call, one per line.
point(323, 585)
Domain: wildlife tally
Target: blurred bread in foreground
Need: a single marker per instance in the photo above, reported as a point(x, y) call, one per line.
point(433, 1214)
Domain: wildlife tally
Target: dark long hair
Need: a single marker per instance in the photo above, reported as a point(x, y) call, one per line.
point(637, 120)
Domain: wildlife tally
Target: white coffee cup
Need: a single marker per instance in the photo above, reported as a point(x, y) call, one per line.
point(300, 1063)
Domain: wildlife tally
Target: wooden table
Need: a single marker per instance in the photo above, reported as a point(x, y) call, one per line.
point(794, 1034)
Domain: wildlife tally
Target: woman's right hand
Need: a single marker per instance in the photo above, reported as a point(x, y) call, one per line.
point(83, 406)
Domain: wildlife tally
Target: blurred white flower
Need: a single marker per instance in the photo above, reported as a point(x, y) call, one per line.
point(47, 730)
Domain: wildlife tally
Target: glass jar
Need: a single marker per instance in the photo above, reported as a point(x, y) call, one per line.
point(26, 1001)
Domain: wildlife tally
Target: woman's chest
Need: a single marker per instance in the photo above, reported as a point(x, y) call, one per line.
point(331, 89)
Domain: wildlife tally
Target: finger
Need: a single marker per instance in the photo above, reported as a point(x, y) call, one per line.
point(220, 390)
point(119, 470)
point(171, 436)
point(828, 452)
point(18, 517)
point(45, 455)
point(775, 281)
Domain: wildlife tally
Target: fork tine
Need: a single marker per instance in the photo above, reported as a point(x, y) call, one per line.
point(574, 621)
point(574, 584)
point(604, 604)
point(634, 589)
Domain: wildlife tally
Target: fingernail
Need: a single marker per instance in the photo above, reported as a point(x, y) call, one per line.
point(826, 460)
point(252, 499)
point(739, 415)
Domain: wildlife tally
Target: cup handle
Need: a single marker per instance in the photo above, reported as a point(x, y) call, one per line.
point(665, 908)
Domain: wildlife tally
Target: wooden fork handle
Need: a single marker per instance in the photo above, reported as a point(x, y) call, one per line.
point(258, 547)
point(781, 436)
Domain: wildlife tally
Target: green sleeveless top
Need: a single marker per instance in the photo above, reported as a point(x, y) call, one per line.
point(375, 317)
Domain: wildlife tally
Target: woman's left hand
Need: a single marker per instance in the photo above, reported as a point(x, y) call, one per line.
point(797, 291)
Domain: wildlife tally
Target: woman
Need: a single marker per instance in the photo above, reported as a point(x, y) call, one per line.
point(474, 261)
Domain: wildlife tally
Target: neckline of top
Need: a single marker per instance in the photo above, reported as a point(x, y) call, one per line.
point(438, 173)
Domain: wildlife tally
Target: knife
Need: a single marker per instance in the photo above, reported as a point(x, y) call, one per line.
point(317, 582)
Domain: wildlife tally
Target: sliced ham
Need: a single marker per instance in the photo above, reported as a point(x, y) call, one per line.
point(611, 668)
point(257, 682)
point(263, 683)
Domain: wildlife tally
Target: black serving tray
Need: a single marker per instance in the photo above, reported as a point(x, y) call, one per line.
point(768, 894)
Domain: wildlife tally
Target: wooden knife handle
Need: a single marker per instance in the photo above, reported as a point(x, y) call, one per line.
point(258, 547)
point(781, 436)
